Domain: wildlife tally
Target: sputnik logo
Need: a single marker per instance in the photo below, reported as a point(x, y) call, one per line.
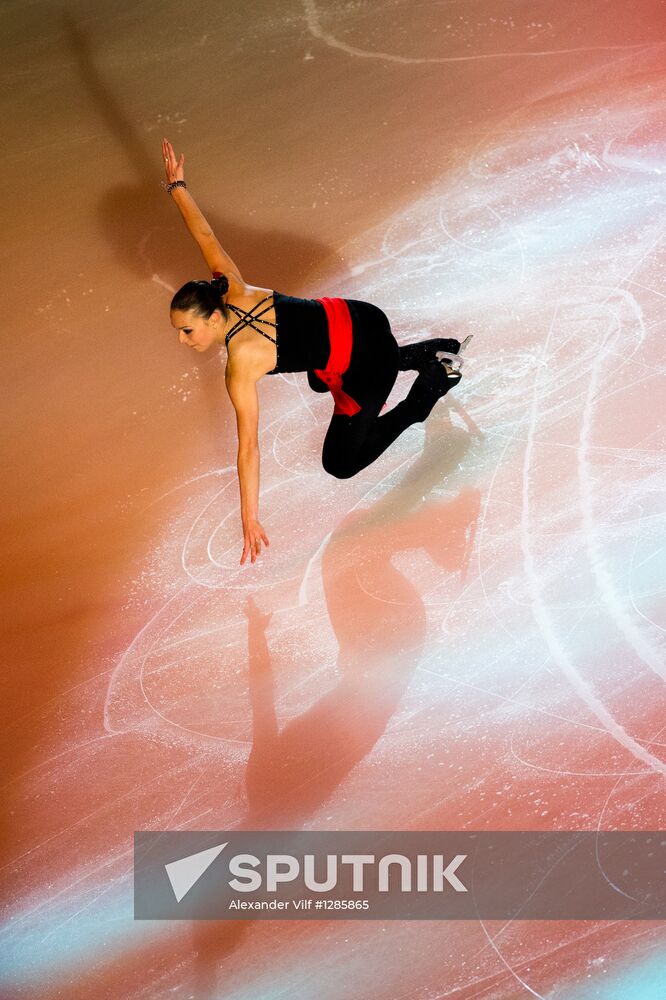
point(186, 872)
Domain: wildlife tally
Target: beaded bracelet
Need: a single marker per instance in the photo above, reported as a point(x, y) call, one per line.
point(174, 184)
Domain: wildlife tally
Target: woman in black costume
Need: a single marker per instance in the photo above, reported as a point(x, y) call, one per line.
point(345, 346)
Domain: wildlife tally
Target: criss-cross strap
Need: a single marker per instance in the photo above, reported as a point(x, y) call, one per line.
point(247, 319)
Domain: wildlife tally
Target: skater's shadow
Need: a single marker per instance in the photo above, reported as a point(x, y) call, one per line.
point(145, 229)
point(379, 620)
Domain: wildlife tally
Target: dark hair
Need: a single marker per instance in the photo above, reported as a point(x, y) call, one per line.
point(202, 297)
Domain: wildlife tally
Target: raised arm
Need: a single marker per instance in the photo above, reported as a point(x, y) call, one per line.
point(215, 256)
point(242, 389)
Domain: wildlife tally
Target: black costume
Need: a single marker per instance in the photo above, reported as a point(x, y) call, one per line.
point(303, 341)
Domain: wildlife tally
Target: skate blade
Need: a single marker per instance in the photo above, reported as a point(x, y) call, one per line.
point(453, 360)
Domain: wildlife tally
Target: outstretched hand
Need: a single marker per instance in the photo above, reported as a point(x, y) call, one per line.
point(173, 167)
point(254, 535)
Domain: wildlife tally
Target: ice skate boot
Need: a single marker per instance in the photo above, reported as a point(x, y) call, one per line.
point(415, 356)
point(453, 358)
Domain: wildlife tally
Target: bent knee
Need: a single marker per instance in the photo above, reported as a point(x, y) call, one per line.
point(335, 466)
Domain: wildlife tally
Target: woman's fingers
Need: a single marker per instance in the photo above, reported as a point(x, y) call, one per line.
point(170, 161)
point(253, 545)
point(249, 547)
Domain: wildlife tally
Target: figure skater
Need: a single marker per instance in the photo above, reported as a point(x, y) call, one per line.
point(345, 345)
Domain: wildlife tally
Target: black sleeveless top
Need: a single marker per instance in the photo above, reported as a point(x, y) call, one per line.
point(300, 331)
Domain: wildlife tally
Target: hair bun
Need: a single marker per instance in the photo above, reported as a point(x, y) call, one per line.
point(219, 283)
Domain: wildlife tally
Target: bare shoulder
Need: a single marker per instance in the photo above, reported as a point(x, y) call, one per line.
point(237, 287)
point(246, 363)
point(242, 293)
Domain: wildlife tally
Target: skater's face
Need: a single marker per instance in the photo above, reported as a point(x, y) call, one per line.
point(195, 331)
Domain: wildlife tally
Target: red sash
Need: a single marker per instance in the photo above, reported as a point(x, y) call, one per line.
point(340, 336)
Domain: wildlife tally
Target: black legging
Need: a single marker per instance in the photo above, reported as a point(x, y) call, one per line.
point(352, 443)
